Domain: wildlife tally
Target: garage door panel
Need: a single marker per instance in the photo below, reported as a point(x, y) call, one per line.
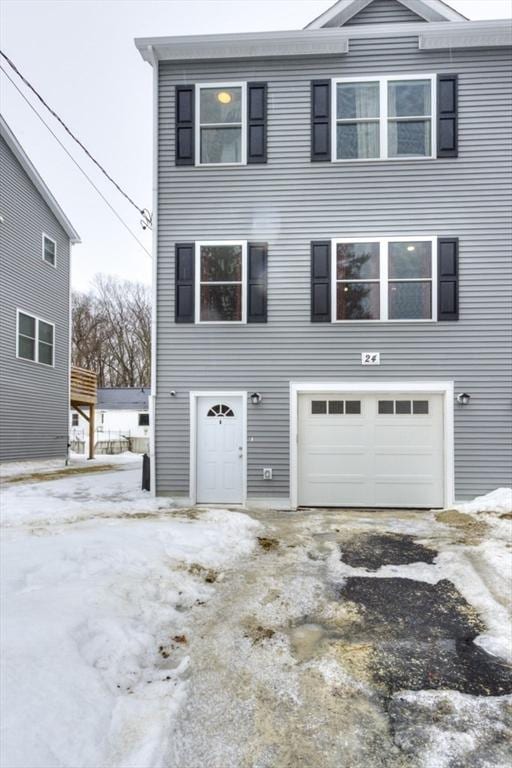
point(339, 478)
point(372, 458)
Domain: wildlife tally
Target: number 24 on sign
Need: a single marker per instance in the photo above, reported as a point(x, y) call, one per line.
point(370, 358)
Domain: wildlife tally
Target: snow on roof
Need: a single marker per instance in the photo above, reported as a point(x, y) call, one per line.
point(123, 398)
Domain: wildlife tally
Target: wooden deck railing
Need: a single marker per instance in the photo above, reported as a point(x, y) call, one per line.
point(83, 387)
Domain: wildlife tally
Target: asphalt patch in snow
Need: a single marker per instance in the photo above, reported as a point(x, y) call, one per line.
point(373, 550)
point(422, 635)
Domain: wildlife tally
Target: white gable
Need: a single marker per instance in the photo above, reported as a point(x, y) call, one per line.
point(382, 11)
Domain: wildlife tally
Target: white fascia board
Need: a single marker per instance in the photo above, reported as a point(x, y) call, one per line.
point(497, 36)
point(458, 34)
point(243, 46)
point(25, 162)
point(323, 42)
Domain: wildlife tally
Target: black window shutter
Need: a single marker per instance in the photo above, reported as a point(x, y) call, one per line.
point(257, 282)
point(448, 278)
point(320, 120)
point(321, 281)
point(256, 122)
point(185, 125)
point(185, 288)
point(447, 128)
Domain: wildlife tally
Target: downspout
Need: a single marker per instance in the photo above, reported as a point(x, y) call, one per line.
point(154, 248)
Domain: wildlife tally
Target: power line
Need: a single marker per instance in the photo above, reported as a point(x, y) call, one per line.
point(143, 211)
point(68, 153)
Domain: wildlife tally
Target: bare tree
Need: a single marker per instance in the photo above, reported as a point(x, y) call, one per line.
point(112, 332)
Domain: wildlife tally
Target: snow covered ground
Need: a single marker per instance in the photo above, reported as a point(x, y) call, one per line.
point(139, 635)
point(99, 584)
point(10, 469)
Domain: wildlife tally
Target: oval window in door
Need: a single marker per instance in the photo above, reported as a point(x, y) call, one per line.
point(220, 410)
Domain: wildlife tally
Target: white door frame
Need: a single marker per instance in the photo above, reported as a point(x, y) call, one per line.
point(194, 397)
point(444, 388)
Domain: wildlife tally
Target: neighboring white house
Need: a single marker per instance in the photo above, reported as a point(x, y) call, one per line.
point(122, 421)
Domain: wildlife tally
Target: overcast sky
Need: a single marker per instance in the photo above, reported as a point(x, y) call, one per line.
point(80, 55)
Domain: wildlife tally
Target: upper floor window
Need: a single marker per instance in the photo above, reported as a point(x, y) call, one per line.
point(74, 420)
point(221, 125)
point(35, 339)
point(384, 279)
point(49, 250)
point(384, 117)
point(143, 419)
point(220, 282)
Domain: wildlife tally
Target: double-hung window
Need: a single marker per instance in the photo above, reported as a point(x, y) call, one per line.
point(221, 124)
point(49, 250)
point(221, 282)
point(384, 117)
point(384, 279)
point(36, 339)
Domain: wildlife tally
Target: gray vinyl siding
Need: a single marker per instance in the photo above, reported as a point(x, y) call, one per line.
point(383, 12)
point(34, 398)
point(291, 201)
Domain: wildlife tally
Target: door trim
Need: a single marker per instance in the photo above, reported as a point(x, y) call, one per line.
point(444, 388)
point(194, 397)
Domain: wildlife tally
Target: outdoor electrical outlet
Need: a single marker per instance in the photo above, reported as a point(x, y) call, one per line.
point(267, 473)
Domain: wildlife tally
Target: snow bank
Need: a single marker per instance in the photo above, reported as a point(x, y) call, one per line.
point(96, 618)
point(498, 502)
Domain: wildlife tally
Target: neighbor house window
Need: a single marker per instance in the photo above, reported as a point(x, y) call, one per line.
point(49, 250)
point(221, 126)
point(35, 339)
point(384, 279)
point(220, 282)
point(74, 419)
point(384, 118)
point(143, 419)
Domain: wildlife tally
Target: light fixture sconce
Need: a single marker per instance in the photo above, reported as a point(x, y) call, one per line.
point(463, 398)
point(172, 393)
point(256, 398)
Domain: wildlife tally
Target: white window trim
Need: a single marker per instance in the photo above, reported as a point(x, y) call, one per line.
point(383, 117)
point(194, 397)
point(199, 245)
point(243, 125)
point(44, 237)
point(445, 388)
point(38, 320)
point(383, 279)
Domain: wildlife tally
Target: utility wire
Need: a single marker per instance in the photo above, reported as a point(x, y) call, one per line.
point(68, 153)
point(140, 210)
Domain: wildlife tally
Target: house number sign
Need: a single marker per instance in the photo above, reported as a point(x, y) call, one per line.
point(370, 358)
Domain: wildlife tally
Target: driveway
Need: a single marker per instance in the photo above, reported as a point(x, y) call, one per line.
point(346, 640)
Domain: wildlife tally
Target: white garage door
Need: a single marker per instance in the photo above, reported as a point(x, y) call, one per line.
point(371, 450)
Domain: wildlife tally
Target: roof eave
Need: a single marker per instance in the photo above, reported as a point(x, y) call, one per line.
point(325, 42)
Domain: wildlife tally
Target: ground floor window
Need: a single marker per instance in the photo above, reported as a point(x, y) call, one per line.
point(143, 419)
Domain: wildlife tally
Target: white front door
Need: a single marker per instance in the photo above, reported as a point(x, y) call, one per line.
point(220, 450)
point(371, 450)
